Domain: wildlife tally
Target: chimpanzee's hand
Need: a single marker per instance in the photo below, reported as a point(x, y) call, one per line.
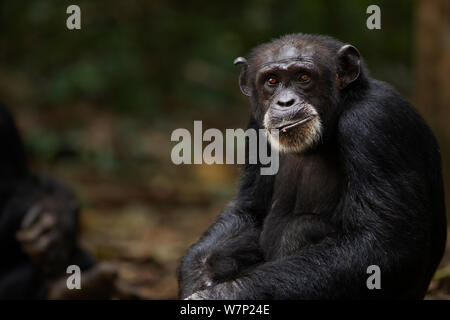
point(221, 291)
point(201, 270)
point(48, 231)
point(195, 296)
point(228, 263)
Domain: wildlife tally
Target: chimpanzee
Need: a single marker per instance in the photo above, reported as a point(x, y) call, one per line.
point(359, 184)
point(38, 231)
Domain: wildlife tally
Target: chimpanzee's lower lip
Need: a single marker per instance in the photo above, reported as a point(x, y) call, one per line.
point(291, 125)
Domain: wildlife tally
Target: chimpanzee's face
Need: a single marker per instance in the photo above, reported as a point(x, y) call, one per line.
point(286, 83)
point(295, 87)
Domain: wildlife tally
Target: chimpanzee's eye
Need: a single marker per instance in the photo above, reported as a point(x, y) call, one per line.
point(304, 78)
point(272, 80)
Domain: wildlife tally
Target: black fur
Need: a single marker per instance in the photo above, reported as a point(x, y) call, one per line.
point(369, 193)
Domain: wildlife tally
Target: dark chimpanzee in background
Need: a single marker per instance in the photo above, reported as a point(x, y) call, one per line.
point(38, 231)
point(359, 184)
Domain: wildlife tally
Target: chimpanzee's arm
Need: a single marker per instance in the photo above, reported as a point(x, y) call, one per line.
point(232, 243)
point(322, 271)
point(336, 267)
point(217, 250)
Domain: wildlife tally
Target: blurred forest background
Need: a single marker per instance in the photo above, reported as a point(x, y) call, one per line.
point(96, 106)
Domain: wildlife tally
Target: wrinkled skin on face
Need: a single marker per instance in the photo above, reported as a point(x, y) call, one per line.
point(294, 88)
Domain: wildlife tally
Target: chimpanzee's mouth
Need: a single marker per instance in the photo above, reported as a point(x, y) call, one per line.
point(286, 127)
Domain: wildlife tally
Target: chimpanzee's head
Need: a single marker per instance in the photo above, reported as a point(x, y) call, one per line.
point(295, 85)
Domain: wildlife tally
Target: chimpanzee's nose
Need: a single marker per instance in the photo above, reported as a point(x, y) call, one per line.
point(286, 100)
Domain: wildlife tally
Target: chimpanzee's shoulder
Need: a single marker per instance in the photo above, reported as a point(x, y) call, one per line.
point(382, 107)
point(382, 115)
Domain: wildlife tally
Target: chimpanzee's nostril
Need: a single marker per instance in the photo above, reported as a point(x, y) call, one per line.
point(286, 103)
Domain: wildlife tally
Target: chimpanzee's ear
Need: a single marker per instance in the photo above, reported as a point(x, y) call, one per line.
point(243, 77)
point(348, 65)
